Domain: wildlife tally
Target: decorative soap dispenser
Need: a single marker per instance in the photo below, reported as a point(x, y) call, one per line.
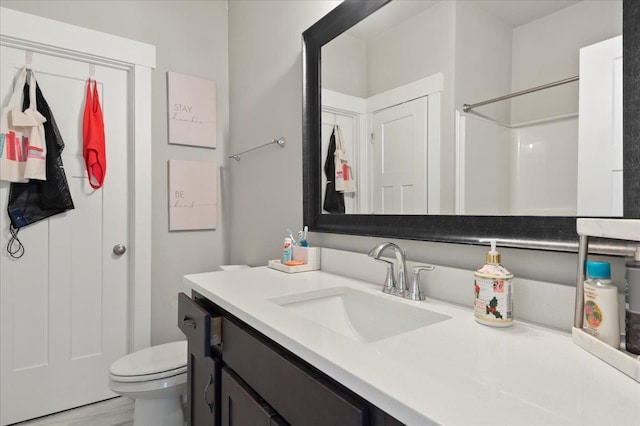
point(493, 304)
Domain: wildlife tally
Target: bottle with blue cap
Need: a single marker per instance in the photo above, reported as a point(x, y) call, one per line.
point(601, 316)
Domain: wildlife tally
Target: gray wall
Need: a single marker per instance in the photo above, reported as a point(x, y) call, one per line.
point(190, 38)
point(265, 78)
point(544, 51)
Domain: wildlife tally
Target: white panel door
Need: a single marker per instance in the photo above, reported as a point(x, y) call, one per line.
point(399, 159)
point(64, 304)
point(600, 129)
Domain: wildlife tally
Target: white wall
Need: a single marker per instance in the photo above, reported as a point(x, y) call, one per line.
point(482, 60)
point(544, 178)
point(344, 66)
point(487, 168)
point(190, 38)
point(417, 48)
point(545, 51)
point(523, 171)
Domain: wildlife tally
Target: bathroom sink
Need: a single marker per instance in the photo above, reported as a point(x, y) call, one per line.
point(361, 316)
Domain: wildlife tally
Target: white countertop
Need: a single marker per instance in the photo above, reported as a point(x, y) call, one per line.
point(456, 372)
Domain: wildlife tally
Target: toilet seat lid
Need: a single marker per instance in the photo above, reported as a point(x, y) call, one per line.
point(152, 361)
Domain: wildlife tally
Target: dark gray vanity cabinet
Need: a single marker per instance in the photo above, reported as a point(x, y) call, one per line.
point(298, 393)
point(262, 383)
point(204, 363)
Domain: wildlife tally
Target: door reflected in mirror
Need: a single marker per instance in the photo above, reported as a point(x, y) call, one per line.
point(396, 83)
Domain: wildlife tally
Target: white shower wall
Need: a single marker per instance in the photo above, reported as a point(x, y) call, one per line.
point(538, 157)
point(484, 167)
point(525, 170)
point(544, 168)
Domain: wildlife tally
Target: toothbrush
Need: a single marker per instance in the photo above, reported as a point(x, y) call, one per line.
point(293, 240)
point(303, 237)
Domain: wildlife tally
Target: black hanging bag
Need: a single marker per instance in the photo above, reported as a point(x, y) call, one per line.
point(333, 200)
point(36, 200)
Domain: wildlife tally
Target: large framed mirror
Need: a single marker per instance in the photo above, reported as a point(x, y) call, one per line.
point(449, 216)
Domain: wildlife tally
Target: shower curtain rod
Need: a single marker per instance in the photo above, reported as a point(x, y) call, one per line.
point(467, 107)
point(280, 141)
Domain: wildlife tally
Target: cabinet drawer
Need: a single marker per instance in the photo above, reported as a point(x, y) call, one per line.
point(241, 406)
point(195, 323)
point(297, 392)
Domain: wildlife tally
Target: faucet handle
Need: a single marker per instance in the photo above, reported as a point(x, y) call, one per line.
point(390, 281)
point(415, 292)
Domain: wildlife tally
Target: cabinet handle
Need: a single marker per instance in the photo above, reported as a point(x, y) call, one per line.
point(188, 322)
point(206, 389)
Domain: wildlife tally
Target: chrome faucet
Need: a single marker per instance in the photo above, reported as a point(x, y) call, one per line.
point(399, 287)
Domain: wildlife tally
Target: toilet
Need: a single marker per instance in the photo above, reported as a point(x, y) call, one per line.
point(156, 378)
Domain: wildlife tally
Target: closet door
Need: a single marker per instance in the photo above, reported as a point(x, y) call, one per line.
point(399, 165)
point(600, 189)
point(64, 304)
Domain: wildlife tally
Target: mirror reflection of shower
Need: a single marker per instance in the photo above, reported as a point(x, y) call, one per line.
point(493, 49)
point(559, 165)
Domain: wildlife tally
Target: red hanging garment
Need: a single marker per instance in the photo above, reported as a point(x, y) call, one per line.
point(93, 144)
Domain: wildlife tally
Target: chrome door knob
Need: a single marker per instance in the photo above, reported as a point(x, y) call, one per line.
point(119, 249)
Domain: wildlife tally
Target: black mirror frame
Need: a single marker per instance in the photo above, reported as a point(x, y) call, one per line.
point(537, 232)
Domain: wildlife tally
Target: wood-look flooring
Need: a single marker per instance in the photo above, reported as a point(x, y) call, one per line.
point(112, 412)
